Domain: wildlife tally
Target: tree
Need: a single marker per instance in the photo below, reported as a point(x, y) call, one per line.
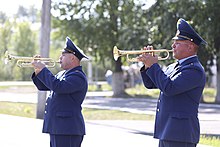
point(24, 46)
point(99, 26)
point(3, 17)
point(5, 35)
point(28, 14)
point(212, 26)
point(44, 49)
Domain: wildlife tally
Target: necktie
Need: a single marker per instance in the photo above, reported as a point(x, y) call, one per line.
point(177, 65)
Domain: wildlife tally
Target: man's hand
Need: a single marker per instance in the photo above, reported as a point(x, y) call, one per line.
point(148, 58)
point(37, 64)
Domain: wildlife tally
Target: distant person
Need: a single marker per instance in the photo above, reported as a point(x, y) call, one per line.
point(63, 119)
point(181, 86)
point(108, 76)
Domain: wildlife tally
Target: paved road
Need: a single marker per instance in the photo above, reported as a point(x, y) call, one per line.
point(26, 132)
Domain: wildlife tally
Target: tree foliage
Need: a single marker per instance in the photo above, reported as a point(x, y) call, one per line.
point(24, 46)
point(18, 37)
point(203, 16)
point(164, 15)
point(99, 25)
point(5, 35)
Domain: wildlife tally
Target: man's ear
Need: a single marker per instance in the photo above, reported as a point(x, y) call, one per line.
point(193, 48)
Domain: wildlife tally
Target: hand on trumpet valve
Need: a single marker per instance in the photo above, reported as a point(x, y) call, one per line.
point(148, 58)
point(37, 64)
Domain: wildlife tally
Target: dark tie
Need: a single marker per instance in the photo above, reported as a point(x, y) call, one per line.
point(177, 65)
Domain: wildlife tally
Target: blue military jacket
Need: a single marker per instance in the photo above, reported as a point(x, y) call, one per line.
point(177, 108)
point(63, 106)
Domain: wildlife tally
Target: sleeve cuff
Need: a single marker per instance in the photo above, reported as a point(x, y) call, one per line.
point(143, 69)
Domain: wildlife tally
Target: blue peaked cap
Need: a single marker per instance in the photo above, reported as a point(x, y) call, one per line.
point(186, 32)
point(70, 47)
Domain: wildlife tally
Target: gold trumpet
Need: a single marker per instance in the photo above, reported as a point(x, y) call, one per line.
point(118, 53)
point(26, 61)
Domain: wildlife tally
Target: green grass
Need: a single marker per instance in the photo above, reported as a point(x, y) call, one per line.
point(18, 109)
point(210, 140)
point(101, 114)
point(29, 110)
point(208, 93)
point(104, 87)
point(142, 92)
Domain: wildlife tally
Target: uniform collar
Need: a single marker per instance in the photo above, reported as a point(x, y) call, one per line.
point(184, 59)
point(77, 68)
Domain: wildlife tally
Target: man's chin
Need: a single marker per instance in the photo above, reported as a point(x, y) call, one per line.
point(174, 56)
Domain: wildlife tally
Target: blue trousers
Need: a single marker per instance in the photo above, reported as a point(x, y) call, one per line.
point(65, 140)
point(164, 143)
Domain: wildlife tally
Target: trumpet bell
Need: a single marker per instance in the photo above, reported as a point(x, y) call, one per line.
point(7, 57)
point(116, 53)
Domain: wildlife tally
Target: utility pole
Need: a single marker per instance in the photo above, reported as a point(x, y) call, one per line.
point(44, 50)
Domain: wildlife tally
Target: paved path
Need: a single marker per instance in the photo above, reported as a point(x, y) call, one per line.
point(26, 132)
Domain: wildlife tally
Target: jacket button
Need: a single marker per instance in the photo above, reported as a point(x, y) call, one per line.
point(158, 110)
point(45, 112)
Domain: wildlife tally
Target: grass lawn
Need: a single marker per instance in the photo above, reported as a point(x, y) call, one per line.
point(100, 114)
point(29, 110)
point(18, 109)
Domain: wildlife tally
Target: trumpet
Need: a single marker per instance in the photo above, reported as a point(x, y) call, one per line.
point(26, 61)
point(118, 53)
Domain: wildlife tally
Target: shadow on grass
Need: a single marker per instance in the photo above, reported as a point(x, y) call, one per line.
point(126, 95)
point(211, 135)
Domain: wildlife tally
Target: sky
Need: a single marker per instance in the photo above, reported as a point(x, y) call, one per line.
point(10, 7)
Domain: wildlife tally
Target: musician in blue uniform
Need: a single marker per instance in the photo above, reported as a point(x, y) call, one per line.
point(181, 86)
point(63, 119)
